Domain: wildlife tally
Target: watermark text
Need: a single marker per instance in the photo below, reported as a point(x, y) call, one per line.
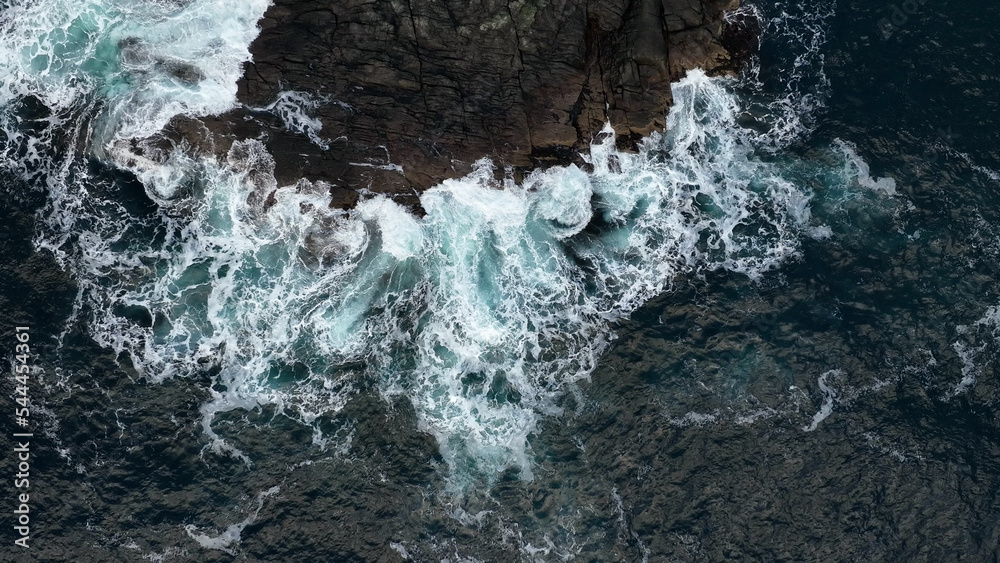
point(22, 436)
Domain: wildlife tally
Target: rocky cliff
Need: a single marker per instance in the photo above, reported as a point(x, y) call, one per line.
point(410, 92)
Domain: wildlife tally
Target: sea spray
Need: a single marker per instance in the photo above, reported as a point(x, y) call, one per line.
point(482, 314)
point(146, 62)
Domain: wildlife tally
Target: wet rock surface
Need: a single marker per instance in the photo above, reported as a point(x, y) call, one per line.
point(410, 93)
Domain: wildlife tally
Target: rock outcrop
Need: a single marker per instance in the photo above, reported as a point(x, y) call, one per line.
point(410, 92)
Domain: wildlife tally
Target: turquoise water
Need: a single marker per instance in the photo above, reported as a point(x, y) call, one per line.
point(482, 313)
point(745, 272)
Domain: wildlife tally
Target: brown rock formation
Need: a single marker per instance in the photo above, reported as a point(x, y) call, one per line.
point(432, 85)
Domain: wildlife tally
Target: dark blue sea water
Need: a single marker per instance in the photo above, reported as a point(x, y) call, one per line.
point(770, 335)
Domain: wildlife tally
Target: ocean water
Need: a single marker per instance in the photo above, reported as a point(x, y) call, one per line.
point(769, 334)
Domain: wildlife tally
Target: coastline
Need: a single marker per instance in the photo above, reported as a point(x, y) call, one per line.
point(394, 99)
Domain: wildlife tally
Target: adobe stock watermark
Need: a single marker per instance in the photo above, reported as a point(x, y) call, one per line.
point(899, 16)
point(21, 373)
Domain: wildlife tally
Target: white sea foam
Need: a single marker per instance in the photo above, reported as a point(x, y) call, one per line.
point(829, 397)
point(146, 61)
point(782, 107)
point(231, 537)
point(985, 332)
point(858, 168)
point(482, 313)
point(988, 172)
point(694, 419)
point(401, 550)
point(295, 110)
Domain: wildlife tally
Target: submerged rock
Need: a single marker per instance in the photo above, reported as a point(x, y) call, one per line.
point(137, 56)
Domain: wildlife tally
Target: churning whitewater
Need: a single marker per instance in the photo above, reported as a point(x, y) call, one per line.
point(482, 313)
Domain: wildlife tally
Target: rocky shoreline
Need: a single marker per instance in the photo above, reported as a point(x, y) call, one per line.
point(410, 93)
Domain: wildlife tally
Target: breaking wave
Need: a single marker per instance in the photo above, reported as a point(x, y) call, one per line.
point(484, 313)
